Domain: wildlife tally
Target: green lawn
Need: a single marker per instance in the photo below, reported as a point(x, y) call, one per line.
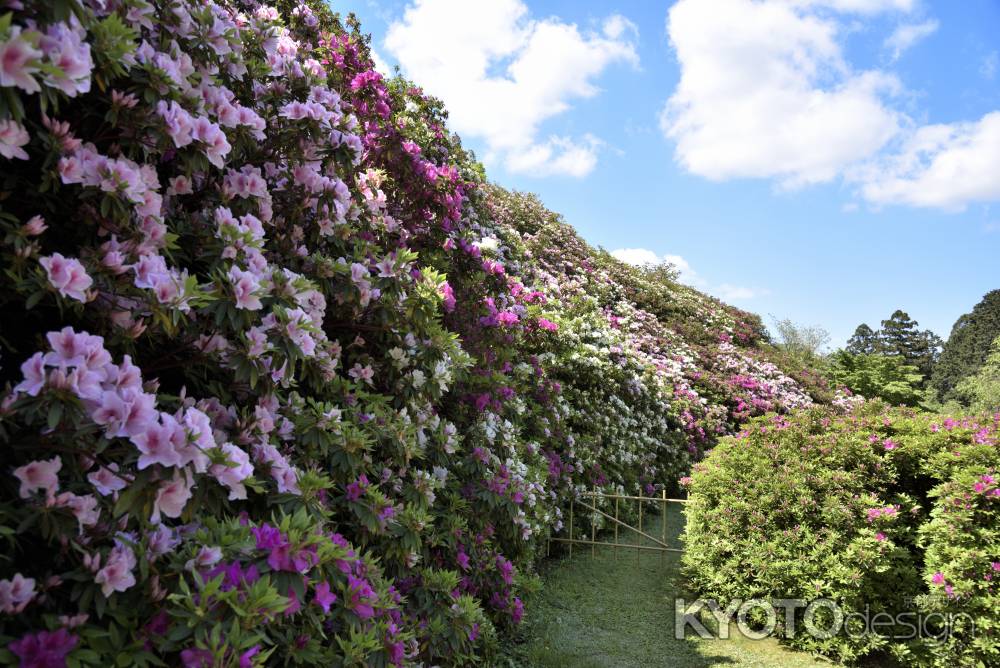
point(601, 612)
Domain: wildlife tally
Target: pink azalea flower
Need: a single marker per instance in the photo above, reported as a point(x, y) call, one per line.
point(105, 480)
point(117, 572)
point(44, 649)
point(67, 275)
point(65, 46)
point(16, 594)
point(39, 475)
point(938, 578)
point(359, 272)
point(12, 137)
point(34, 375)
point(84, 508)
point(161, 540)
point(362, 373)
point(157, 444)
point(178, 122)
point(233, 476)
point(215, 145)
point(362, 597)
point(356, 489)
point(324, 597)
point(197, 441)
point(206, 558)
point(19, 61)
point(245, 285)
point(385, 268)
point(171, 498)
point(36, 225)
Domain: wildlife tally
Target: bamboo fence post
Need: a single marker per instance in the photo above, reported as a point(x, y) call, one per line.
point(593, 531)
point(571, 504)
point(663, 523)
point(616, 527)
point(640, 529)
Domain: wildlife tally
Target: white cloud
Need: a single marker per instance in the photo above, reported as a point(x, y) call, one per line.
point(502, 74)
point(557, 155)
point(725, 291)
point(860, 6)
point(944, 166)
point(728, 292)
point(380, 65)
point(765, 91)
point(908, 34)
point(643, 256)
point(988, 68)
point(637, 256)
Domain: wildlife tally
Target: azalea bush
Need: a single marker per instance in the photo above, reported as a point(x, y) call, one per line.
point(285, 381)
point(880, 510)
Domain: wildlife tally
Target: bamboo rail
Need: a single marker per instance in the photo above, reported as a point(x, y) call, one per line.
point(659, 544)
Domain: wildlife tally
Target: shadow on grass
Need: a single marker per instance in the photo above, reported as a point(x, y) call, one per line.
point(599, 610)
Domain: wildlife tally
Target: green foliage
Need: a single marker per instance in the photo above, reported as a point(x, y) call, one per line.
point(880, 510)
point(968, 345)
point(981, 392)
point(801, 341)
point(877, 377)
point(864, 341)
point(899, 336)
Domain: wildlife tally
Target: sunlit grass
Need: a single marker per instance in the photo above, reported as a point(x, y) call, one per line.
point(603, 611)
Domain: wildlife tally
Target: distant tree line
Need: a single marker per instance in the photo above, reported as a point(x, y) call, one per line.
point(903, 364)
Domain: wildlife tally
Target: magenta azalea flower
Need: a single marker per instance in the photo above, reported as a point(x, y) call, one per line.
point(44, 649)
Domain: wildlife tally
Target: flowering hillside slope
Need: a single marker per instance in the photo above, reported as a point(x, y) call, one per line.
point(284, 380)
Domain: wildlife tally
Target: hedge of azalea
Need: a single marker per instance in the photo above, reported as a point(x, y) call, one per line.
point(892, 514)
point(283, 380)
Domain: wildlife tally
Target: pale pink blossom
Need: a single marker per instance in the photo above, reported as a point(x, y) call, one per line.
point(16, 594)
point(117, 572)
point(39, 475)
point(35, 225)
point(171, 498)
point(161, 540)
point(362, 373)
point(233, 476)
point(106, 480)
point(13, 136)
point(70, 348)
point(157, 443)
point(179, 123)
point(215, 145)
point(180, 185)
point(206, 558)
point(64, 45)
point(67, 275)
point(84, 508)
point(34, 375)
point(19, 60)
point(245, 286)
point(74, 621)
point(199, 438)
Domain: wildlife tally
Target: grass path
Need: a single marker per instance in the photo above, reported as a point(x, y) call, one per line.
point(603, 612)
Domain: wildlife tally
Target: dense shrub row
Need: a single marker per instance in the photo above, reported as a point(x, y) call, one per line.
point(283, 380)
point(881, 510)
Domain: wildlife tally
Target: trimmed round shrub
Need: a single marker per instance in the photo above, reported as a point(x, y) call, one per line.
point(880, 510)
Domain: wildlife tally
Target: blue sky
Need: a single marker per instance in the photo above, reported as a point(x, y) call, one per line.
point(827, 161)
